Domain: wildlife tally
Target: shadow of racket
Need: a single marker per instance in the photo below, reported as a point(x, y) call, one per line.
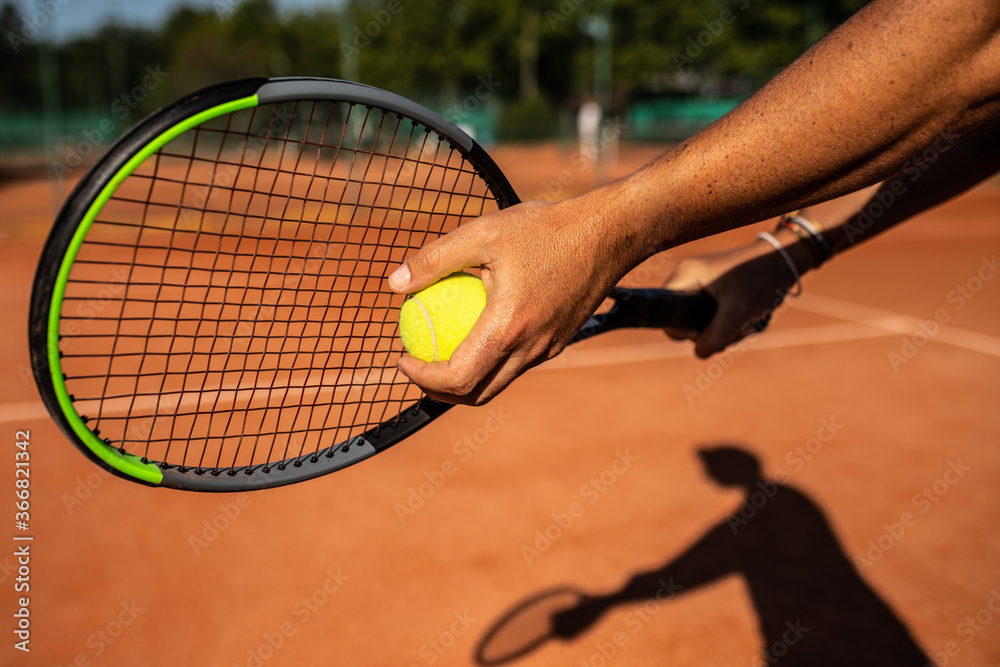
point(559, 613)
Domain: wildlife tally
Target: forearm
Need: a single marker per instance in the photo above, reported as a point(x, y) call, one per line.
point(857, 218)
point(848, 113)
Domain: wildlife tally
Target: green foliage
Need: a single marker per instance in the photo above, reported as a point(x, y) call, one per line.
point(527, 120)
point(19, 85)
point(430, 49)
point(437, 51)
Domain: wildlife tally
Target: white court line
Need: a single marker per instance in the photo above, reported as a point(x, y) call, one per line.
point(668, 349)
point(860, 323)
point(972, 341)
point(22, 412)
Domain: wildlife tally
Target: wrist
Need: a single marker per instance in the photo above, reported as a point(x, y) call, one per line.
point(616, 221)
point(804, 258)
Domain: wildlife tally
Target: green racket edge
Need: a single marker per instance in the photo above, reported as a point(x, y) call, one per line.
point(128, 464)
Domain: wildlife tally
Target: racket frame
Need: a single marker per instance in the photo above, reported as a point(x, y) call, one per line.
point(98, 185)
point(527, 647)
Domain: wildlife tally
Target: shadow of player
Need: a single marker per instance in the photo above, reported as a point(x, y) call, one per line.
point(813, 607)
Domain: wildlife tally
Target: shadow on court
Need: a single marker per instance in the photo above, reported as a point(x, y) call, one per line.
point(813, 607)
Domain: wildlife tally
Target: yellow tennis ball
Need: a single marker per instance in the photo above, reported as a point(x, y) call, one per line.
point(433, 321)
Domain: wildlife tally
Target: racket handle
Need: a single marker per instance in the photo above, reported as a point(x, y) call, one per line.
point(652, 309)
point(666, 309)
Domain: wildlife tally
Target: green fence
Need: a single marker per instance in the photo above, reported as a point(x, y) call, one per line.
point(32, 131)
point(671, 119)
point(648, 120)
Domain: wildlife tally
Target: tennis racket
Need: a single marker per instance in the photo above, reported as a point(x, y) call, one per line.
point(559, 613)
point(210, 311)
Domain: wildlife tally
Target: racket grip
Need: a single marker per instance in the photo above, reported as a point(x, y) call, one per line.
point(665, 309)
point(651, 309)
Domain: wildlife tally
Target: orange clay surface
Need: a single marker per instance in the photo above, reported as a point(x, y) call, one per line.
point(584, 473)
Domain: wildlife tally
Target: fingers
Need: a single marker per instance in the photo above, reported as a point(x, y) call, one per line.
point(497, 350)
point(479, 368)
point(456, 381)
point(686, 277)
point(730, 325)
point(432, 262)
point(727, 327)
point(452, 387)
point(748, 284)
point(469, 245)
point(440, 380)
point(682, 334)
point(715, 338)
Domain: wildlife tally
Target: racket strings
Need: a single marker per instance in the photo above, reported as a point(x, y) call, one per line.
point(314, 230)
point(355, 406)
point(283, 204)
point(188, 270)
point(228, 307)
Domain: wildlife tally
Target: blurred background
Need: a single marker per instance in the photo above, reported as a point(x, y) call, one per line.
point(77, 73)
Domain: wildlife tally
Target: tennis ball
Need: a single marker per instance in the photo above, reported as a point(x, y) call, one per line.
point(433, 321)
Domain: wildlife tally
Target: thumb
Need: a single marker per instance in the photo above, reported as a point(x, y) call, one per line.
point(435, 260)
point(719, 333)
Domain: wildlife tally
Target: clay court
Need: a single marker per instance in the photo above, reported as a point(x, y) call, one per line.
point(874, 396)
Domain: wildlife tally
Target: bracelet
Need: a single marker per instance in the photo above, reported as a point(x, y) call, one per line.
point(788, 259)
point(814, 250)
point(810, 232)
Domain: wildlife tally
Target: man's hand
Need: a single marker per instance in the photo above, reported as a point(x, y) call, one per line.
point(546, 268)
point(571, 623)
point(748, 283)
